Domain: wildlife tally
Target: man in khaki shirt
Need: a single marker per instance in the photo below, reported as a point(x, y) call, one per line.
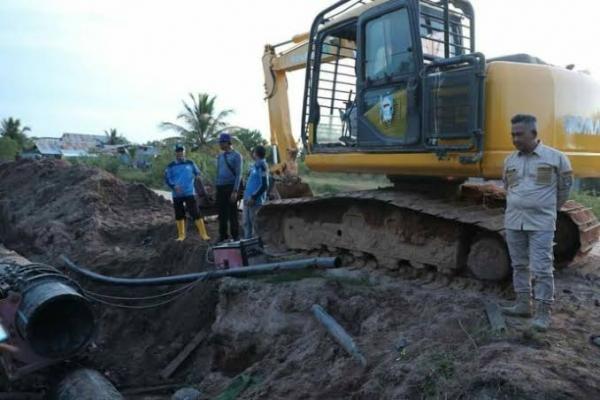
point(538, 180)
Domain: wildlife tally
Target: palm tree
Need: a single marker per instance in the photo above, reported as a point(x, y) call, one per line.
point(11, 128)
point(114, 137)
point(201, 121)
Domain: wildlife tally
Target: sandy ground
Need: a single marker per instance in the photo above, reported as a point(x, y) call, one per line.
point(423, 337)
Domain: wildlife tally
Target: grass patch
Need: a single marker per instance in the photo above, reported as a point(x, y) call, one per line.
point(588, 199)
point(325, 183)
point(439, 375)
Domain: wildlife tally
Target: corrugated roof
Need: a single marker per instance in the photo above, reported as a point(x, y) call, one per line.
point(76, 138)
point(56, 146)
point(49, 146)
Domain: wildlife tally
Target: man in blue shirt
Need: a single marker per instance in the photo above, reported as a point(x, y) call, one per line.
point(179, 176)
point(256, 190)
point(229, 178)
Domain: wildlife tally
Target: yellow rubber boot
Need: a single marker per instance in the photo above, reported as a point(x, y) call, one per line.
point(202, 229)
point(180, 230)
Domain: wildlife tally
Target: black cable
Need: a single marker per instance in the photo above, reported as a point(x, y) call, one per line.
point(185, 290)
point(157, 296)
point(323, 262)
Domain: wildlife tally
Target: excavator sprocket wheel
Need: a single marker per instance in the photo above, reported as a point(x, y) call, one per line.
point(489, 260)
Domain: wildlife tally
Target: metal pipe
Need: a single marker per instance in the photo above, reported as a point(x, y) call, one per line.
point(86, 384)
point(338, 333)
point(43, 307)
point(55, 319)
point(320, 262)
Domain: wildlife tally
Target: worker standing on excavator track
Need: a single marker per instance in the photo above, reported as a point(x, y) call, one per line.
point(538, 180)
point(255, 193)
point(229, 179)
point(180, 176)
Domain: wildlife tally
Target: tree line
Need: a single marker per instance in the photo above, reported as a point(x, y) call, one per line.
point(197, 126)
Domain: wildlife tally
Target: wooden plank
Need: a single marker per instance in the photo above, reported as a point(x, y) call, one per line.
point(187, 350)
point(494, 314)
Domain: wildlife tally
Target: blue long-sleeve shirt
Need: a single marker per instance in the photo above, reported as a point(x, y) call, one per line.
point(258, 182)
point(232, 174)
point(182, 174)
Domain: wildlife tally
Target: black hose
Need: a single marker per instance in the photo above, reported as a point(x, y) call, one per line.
point(319, 262)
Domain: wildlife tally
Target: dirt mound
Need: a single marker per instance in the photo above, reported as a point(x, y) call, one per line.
point(50, 207)
point(420, 341)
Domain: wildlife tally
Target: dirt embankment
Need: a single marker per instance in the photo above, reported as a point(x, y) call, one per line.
point(49, 208)
point(422, 338)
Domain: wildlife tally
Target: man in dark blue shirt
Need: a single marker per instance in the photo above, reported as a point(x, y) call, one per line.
point(179, 176)
point(229, 177)
point(256, 190)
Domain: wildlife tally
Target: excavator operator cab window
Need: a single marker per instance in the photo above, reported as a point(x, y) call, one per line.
point(433, 32)
point(388, 50)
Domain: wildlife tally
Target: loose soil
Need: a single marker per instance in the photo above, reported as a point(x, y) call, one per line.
point(424, 337)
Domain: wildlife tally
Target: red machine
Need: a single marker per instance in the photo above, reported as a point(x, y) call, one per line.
point(239, 254)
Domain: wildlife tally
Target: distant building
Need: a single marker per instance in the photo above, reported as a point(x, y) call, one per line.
point(81, 141)
point(44, 148)
point(83, 145)
point(145, 155)
point(69, 145)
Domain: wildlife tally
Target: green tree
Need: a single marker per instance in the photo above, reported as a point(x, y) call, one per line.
point(200, 121)
point(250, 138)
point(8, 148)
point(11, 128)
point(113, 137)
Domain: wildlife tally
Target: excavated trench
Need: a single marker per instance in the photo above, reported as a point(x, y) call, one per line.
point(422, 337)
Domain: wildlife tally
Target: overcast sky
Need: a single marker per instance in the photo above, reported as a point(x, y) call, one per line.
point(86, 66)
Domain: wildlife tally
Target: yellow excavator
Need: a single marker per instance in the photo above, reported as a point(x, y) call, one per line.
point(396, 87)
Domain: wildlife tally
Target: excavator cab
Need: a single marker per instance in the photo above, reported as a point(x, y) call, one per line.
point(395, 76)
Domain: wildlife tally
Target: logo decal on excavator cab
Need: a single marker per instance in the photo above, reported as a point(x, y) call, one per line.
point(575, 125)
point(386, 109)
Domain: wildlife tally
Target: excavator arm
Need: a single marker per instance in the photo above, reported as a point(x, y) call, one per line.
point(285, 150)
point(275, 67)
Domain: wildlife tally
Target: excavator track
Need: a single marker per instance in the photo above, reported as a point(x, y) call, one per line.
point(400, 228)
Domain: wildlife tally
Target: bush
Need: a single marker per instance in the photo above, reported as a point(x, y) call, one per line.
point(107, 163)
point(8, 149)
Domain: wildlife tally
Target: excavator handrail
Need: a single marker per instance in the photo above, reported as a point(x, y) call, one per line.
point(314, 29)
